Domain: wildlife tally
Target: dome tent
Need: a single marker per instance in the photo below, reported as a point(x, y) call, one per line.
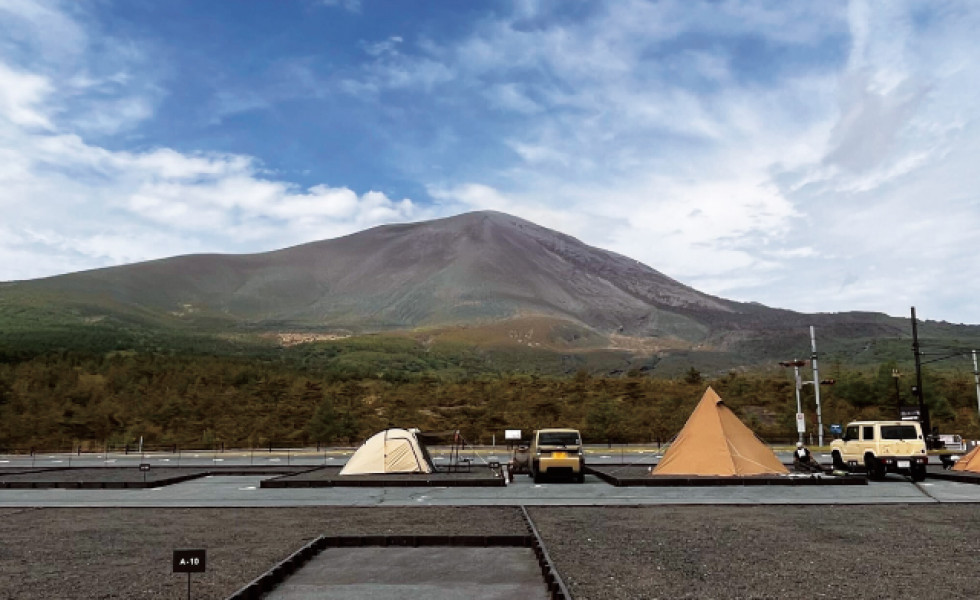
point(390, 451)
point(714, 442)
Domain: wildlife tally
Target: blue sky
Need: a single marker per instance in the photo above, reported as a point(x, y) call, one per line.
point(819, 156)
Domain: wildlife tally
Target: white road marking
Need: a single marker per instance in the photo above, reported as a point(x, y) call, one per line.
point(251, 487)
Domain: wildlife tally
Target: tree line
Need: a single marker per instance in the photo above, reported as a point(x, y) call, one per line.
point(73, 400)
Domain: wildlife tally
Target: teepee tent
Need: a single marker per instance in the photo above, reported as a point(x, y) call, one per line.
point(715, 442)
point(969, 462)
point(390, 451)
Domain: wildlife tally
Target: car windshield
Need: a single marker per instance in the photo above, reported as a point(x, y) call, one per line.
point(898, 432)
point(558, 438)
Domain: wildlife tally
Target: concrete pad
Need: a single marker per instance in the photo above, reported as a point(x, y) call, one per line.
point(242, 491)
point(434, 573)
point(950, 491)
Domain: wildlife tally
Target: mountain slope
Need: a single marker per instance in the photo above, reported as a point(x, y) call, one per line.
point(477, 266)
point(474, 269)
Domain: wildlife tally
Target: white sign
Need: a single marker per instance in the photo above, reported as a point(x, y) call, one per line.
point(800, 423)
point(512, 434)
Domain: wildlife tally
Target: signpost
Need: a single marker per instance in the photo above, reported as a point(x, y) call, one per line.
point(800, 423)
point(190, 561)
point(144, 467)
point(910, 413)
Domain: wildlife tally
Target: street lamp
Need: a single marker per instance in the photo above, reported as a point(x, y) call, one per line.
point(796, 364)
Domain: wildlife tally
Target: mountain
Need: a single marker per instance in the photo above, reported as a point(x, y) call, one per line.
point(484, 271)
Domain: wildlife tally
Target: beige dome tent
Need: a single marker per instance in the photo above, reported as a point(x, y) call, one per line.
point(390, 451)
point(715, 442)
point(969, 462)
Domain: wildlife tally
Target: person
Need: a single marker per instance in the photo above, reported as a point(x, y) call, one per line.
point(804, 461)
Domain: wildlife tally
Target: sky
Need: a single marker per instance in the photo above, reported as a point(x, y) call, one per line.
point(818, 156)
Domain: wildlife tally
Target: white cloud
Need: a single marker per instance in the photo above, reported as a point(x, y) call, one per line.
point(73, 204)
point(388, 46)
point(21, 96)
point(815, 156)
point(353, 6)
point(841, 184)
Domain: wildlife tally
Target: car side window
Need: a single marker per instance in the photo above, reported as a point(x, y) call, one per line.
point(851, 433)
point(868, 433)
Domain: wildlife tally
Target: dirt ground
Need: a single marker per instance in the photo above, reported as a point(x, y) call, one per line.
point(126, 553)
point(602, 553)
point(888, 551)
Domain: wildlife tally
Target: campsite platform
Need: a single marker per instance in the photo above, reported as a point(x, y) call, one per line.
point(639, 476)
point(950, 475)
point(123, 477)
point(331, 477)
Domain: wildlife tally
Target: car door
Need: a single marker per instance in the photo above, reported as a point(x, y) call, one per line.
point(867, 439)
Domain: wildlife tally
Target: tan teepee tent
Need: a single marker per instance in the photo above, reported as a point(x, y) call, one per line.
point(715, 442)
point(390, 451)
point(969, 462)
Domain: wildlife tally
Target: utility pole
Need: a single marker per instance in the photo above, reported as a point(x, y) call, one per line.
point(816, 385)
point(923, 412)
point(976, 378)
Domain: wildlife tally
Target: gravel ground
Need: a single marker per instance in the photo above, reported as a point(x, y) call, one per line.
point(127, 475)
point(892, 551)
point(22, 470)
point(602, 553)
point(100, 474)
point(126, 553)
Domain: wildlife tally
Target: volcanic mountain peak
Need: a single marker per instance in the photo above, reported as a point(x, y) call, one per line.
point(476, 269)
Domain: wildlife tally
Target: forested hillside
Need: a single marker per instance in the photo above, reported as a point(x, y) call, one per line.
point(61, 401)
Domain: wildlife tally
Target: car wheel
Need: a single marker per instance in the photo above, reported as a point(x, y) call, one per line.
point(875, 470)
point(538, 477)
point(580, 478)
point(918, 473)
point(838, 461)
